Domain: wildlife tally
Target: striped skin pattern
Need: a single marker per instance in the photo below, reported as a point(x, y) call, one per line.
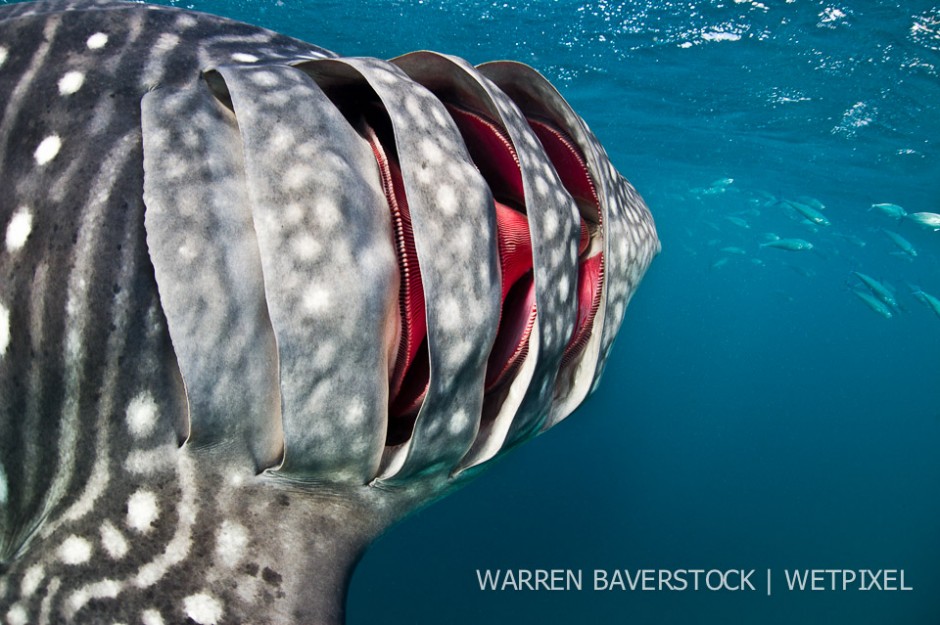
point(209, 235)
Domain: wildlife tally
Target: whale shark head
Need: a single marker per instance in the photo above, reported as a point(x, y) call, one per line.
point(260, 301)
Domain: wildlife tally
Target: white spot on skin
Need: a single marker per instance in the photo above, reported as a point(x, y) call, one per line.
point(150, 461)
point(74, 550)
point(354, 414)
point(541, 186)
point(458, 421)
point(31, 580)
point(458, 353)
point(185, 21)
point(141, 415)
point(438, 116)
point(142, 511)
point(297, 177)
point(413, 107)
point(241, 57)
point(113, 541)
point(3, 486)
point(3, 55)
point(151, 617)
point(97, 41)
point(105, 589)
point(48, 149)
point(230, 543)
point(327, 212)
point(317, 299)
point(447, 199)
point(564, 286)
point(386, 76)
point(451, 313)
point(21, 224)
point(203, 608)
point(4, 337)
point(431, 151)
point(264, 79)
point(167, 41)
point(551, 225)
point(17, 615)
point(71, 82)
point(305, 247)
point(181, 542)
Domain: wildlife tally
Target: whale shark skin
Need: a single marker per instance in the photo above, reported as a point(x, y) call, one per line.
point(259, 301)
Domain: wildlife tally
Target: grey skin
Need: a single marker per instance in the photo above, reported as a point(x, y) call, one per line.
point(199, 309)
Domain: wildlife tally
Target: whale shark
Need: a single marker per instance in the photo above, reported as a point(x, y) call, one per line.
point(260, 301)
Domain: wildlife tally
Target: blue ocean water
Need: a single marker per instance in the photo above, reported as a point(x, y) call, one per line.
point(756, 413)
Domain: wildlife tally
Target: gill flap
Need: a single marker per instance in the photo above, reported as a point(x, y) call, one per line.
point(528, 180)
point(204, 251)
point(455, 237)
point(331, 279)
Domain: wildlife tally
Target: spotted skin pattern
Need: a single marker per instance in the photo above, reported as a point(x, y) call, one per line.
point(199, 307)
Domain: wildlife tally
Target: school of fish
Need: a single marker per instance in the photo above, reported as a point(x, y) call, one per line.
point(744, 226)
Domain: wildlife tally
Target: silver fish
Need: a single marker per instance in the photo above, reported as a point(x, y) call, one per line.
point(259, 302)
point(931, 221)
point(793, 245)
point(931, 301)
point(878, 289)
point(890, 210)
point(851, 238)
point(874, 303)
point(809, 213)
point(811, 201)
point(903, 244)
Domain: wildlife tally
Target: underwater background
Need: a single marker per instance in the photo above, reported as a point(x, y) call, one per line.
point(757, 412)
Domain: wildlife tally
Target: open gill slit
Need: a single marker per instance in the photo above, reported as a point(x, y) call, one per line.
point(571, 167)
point(410, 376)
point(586, 314)
point(512, 340)
point(575, 175)
point(493, 153)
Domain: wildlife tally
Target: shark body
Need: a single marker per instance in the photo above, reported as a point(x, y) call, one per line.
point(259, 301)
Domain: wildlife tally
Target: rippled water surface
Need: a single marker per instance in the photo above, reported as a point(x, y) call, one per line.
point(757, 412)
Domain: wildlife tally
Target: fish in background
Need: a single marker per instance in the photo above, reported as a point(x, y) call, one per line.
point(718, 186)
point(714, 188)
point(874, 303)
point(811, 201)
point(738, 221)
point(930, 221)
point(806, 272)
point(932, 302)
point(906, 247)
point(792, 245)
point(879, 290)
point(890, 210)
point(807, 212)
point(850, 238)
